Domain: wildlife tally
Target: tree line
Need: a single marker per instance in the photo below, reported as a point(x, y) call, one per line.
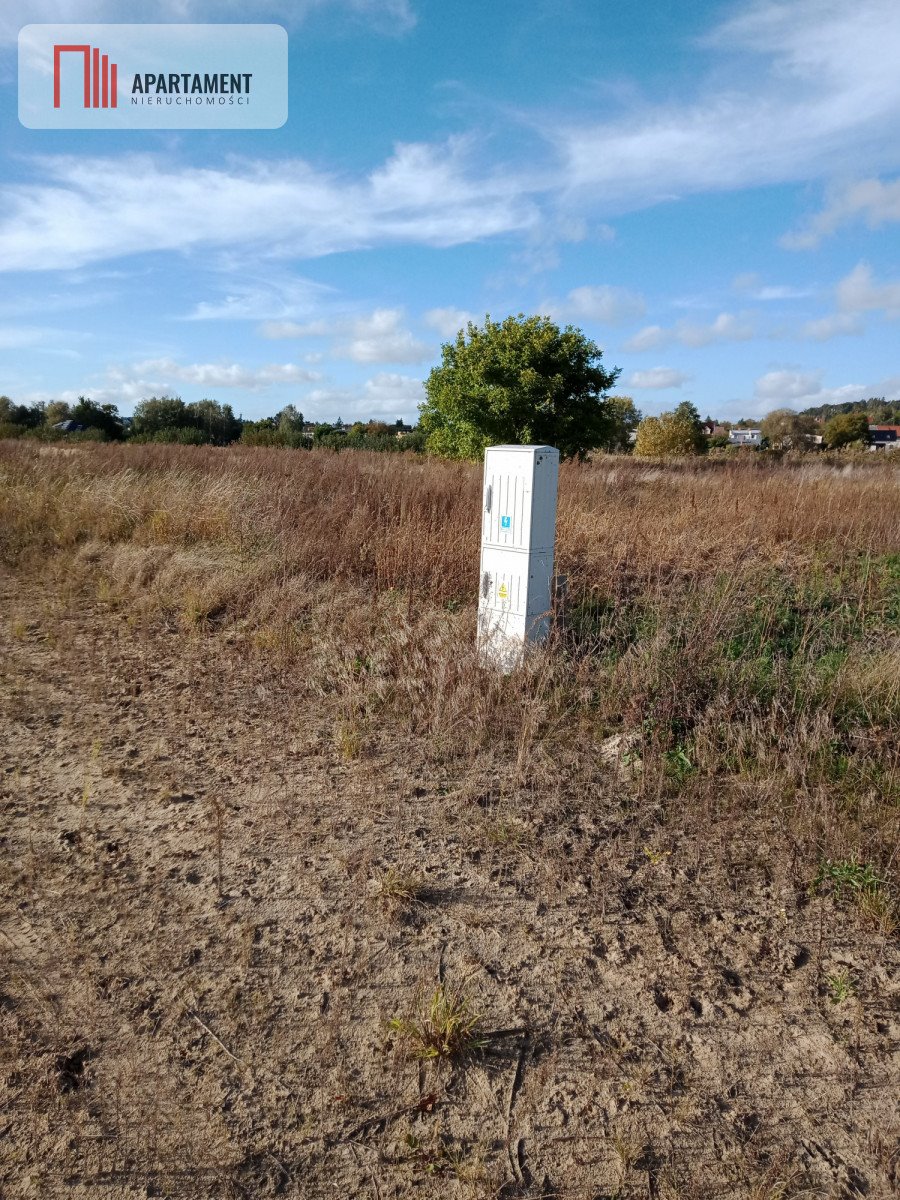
point(520, 381)
point(201, 423)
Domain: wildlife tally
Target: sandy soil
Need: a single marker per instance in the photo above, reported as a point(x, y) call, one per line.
point(198, 965)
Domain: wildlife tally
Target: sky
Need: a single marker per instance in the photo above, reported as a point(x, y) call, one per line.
point(711, 191)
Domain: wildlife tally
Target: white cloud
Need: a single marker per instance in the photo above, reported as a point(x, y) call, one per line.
point(398, 395)
point(448, 321)
point(875, 202)
point(750, 284)
point(818, 76)
point(378, 337)
point(431, 195)
point(792, 388)
point(393, 15)
point(656, 377)
point(166, 371)
point(267, 299)
point(859, 292)
point(293, 329)
point(725, 328)
point(834, 325)
point(648, 338)
point(22, 336)
point(384, 395)
point(604, 303)
point(785, 387)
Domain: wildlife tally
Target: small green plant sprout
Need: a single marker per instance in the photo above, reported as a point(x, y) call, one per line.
point(510, 834)
point(444, 1026)
point(400, 889)
point(679, 766)
point(654, 857)
point(840, 986)
point(847, 875)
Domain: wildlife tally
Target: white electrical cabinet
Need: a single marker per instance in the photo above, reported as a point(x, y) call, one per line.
point(518, 530)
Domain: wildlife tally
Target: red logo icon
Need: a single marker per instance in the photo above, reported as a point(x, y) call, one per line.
point(101, 77)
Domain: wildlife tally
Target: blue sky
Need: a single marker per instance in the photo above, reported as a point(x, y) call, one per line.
point(709, 190)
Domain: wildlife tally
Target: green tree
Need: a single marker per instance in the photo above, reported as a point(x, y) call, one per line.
point(23, 416)
point(687, 413)
point(290, 420)
point(846, 428)
point(102, 417)
point(624, 419)
point(521, 380)
point(215, 421)
point(785, 429)
point(668, 436)
point(157, 413)
point(56, 411)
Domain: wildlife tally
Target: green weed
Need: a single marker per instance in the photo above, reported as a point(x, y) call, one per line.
point(444, 1026)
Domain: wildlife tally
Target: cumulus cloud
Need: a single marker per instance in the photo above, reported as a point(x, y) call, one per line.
point(750, 284)
point(604, 303)
point(860, 292)
point(378, 337)
point(870, 200)
point(725, 328)
point(788, 386)
point(167, 370)
point(797, 389)
point(823, 329)
point(448, 321)
point(657, 377)
point(396, 394)
point(384, 395)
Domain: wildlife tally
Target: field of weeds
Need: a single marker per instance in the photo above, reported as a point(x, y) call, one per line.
point(295, 899)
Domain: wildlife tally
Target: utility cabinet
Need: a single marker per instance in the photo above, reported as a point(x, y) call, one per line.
point(518, 531)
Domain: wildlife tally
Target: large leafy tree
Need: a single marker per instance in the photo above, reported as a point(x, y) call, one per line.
point(102, 417)
point(846, 428)
point(518, 381)
point(216, 422)
point(158, 413)
point(624, 418)
point(672, 435)
point(785, 429)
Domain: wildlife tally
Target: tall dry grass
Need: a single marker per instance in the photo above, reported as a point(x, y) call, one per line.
point(731, 632)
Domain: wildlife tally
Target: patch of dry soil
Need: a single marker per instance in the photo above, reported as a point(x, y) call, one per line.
point(197, 972)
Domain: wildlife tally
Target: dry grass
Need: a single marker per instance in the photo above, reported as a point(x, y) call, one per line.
point(735, 623)
point(248, 735)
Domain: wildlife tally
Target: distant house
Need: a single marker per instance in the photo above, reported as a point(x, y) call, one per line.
point(884, 437)
point(69, 427)
point(745, 437)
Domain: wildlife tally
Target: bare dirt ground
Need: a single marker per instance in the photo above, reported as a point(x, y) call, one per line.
point(200, 958)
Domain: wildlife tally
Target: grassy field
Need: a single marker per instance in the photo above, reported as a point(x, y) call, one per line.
point(297, 900)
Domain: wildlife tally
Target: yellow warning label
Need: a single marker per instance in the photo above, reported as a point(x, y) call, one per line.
point(503, 591)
